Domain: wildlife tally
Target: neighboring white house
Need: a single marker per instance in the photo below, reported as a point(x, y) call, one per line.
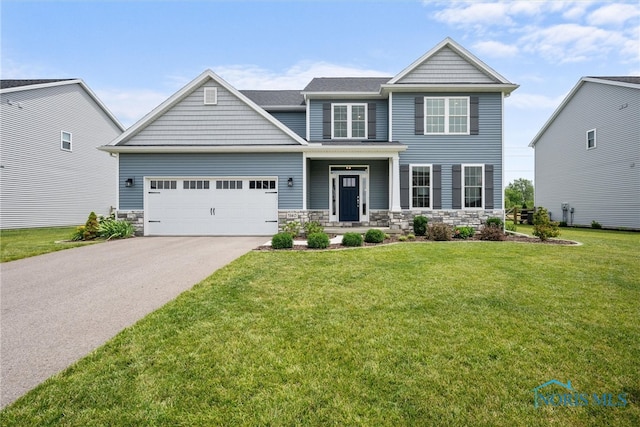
point(51, 172)
point(587, 155)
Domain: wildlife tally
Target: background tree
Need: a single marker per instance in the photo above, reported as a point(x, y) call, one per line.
point(519, 193)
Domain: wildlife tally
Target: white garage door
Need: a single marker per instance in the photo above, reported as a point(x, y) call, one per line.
point(211, 206)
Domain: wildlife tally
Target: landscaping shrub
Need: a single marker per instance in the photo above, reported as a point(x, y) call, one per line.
point(91, 228)
point(293, 228)
point(374, 236)
point(282, 241)
point(595, 224)
point(440, 232)
point(402, 238)
point(543, 227)
point(78, 234)
point(352, 239)
point(318, 241)
point(411, 236)
point(563, 224)
point(312, 227)
point(494, 221)
point(110, 228)
point(463, 232)
point(492, 232)
point(420, 225)
point(510, 226)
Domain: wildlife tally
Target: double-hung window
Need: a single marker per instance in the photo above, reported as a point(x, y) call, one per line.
point(65, 141)
point(349, 121)
point(473, 186)
point(420, 186)
point(591, 139)
point(446, 115)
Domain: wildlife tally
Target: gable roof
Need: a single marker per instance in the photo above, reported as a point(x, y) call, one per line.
point(491, 79)
point(12, 86)
point(623, 81)
point(183, 93)
point(276, 99)
point(8, 84)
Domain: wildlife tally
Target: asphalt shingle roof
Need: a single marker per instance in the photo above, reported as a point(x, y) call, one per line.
point(623, 79)
point(346, 84)
point(7, 84)
point(275, 98)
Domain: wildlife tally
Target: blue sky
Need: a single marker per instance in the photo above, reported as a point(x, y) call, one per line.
point(135, 54)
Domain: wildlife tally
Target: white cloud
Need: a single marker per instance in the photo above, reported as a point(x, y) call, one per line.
point(566, 43)
point(495, 49)
point(296, 77)
point(613, 14)
point(129, 106)
point(475, 13)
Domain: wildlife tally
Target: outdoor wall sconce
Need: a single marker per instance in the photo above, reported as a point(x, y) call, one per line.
point(129, 182)
point(290, 182)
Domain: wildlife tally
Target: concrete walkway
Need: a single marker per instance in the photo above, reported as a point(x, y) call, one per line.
point(56, 308)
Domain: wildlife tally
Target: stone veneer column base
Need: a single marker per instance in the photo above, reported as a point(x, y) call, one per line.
point(135, 217)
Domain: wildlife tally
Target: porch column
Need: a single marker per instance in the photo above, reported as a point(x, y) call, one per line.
point(304, 181)
point(394, 180)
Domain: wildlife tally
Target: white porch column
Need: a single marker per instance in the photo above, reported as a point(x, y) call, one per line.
point(394, 180)
point(304, 181)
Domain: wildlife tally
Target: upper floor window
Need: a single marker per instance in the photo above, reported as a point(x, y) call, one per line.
point(65, 141)
point(420, 186)
point(446, 115)
point(349, 121)
point(473, 186)
point(591, 139)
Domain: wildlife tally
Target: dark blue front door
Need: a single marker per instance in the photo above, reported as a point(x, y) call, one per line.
point(349, 194)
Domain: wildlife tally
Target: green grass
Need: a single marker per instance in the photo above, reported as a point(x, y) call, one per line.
point(28, 242)
point(451, 333)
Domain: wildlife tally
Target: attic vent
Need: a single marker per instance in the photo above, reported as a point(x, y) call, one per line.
point(210, 96)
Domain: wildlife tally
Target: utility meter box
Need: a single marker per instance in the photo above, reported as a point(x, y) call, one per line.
point(565, 206)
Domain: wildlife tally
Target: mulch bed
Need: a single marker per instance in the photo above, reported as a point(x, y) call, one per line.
point(394, 239)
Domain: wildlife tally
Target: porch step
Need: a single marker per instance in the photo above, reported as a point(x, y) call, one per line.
point(358, 229)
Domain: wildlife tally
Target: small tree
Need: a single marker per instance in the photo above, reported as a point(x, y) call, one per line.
point(543, 227)
point(91, 228)
point(519, 193)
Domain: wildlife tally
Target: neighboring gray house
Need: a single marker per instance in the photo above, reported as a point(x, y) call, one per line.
point(212, 160)
point(51, 172)
point(587, 155)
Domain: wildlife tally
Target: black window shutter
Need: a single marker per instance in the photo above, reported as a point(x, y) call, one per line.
point(326, 120)
point(457, 186)
point(488, 187)
point(419, 115)
point(404, 186)
point(474, 116)
point(371, 119)
point(437, 187)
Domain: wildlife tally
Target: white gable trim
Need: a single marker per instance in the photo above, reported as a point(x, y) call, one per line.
point(570, 96)
point(80, 82)
point(187, 90)
point(449, 42)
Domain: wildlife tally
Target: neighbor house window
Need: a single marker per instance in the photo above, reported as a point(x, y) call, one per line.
point(446, 115)
point(65, 141)
point(349, 120)
point(473, 186)
point(591, 139)
point(420, 186)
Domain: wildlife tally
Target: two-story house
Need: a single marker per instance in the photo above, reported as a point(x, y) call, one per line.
point(212, 160)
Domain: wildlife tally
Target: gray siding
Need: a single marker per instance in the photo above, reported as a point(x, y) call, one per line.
point(603, 183)
point(446, 66)
point(41, 184)
point(282, 165)
point(231, 121)
point(319, 182)
point(447, 150)
point(315, 117)
point(296, 121)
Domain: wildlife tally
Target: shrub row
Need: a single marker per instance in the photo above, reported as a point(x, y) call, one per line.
point(103, 228)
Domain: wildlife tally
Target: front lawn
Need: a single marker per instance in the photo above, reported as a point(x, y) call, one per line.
point(445, 333)
point(28, 242)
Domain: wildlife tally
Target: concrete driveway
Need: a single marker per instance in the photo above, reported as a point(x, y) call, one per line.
point(56, 308)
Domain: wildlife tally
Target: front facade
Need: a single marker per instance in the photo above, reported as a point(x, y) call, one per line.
point(51, 172)
point(587, 155)
point(342, 151)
